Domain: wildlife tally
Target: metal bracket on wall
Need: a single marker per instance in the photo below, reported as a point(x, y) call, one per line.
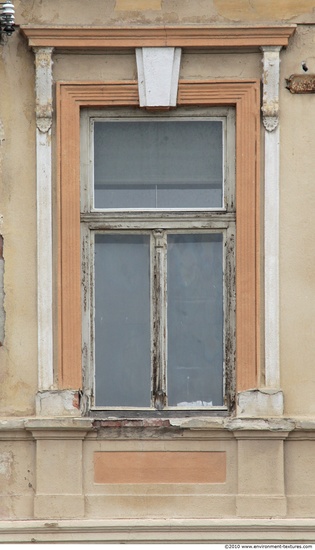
point(301, 83)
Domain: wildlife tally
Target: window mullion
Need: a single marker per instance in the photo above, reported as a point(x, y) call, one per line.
point(159, 321)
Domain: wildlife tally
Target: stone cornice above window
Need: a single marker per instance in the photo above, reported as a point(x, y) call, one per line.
point(98, 38)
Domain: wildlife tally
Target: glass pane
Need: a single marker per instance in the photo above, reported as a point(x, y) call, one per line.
point(122, 320)
point(158, 164)
point(195, 320)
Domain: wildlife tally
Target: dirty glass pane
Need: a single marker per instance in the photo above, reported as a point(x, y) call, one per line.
point(158, 164)
point(122, 320)
point(195, 320)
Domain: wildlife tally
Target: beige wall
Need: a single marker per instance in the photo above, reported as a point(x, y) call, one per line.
point(297, 259)
point(18, 204)
point(164, 11)
point(18, 356)
point(277, 468)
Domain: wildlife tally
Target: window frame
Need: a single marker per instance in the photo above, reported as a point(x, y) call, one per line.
point(244, 95)
point(220, 219)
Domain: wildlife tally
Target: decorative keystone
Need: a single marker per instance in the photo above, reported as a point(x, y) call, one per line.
point(158, 73)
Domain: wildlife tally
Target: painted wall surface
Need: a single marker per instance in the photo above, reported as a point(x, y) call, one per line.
point(269, 463)
point(297, 261)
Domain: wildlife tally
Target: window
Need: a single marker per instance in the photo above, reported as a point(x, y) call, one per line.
point(72, 98)
point(158, 250)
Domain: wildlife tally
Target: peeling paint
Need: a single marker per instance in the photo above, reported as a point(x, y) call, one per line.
point(131, 428)
point(58, 402)
point(142, 423)
point(76, 400)
point(147, 428)
point(265, 402)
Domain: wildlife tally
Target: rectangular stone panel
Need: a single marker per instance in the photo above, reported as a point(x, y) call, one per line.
point(159, 467)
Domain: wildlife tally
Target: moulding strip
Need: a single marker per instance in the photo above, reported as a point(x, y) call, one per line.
point(218, 530)
point(136, 37)
point(43, 86)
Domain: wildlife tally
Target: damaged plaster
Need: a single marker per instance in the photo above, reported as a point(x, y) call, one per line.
point(57, 403)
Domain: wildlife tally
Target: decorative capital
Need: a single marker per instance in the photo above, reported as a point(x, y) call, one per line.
point(270, 79)
point(43, 124)
point(270, 122)
point(43, 57)
point(43, 65)
point(270, 112)
point(44, 116)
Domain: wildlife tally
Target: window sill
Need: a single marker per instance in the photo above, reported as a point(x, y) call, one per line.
point(217, 428)
point(254, 403)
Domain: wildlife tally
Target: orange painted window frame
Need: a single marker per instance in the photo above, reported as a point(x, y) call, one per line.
point(70, 98)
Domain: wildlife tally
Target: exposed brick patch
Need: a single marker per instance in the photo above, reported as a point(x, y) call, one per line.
point(76, 400)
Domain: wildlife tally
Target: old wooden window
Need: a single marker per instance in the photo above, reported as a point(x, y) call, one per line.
point(158, 233)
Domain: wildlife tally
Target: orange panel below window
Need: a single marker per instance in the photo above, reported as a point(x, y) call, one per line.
point(159, 467)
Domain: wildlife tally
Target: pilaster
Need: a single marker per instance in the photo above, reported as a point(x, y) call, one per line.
point(270, 112)
point(43, 86)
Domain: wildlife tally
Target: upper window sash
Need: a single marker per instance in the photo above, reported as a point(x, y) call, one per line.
point(225, 116)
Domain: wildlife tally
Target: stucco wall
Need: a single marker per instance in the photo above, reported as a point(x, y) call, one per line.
point(18, 204)
point(297, 260)
point(18, 355)
point(286, 485)
point(164, 11)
